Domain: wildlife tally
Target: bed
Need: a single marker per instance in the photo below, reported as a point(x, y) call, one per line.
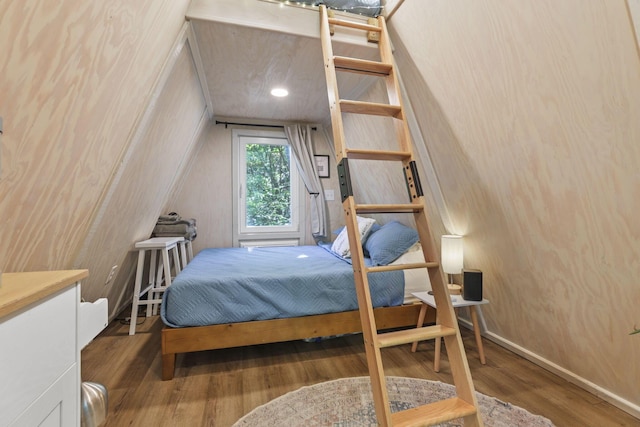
point(231, 297)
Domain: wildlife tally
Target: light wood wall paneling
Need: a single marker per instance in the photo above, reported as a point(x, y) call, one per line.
point(75, 79)
point(634, 15)
point(205, 192)
point(161, 147)
point(529, 110)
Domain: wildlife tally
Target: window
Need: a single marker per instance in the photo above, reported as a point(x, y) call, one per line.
point(268, 204)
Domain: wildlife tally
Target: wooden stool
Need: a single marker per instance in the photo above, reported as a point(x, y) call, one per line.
point(457, 301)
point(159, 275)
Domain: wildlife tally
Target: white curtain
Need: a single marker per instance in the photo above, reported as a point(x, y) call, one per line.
point(299, 137)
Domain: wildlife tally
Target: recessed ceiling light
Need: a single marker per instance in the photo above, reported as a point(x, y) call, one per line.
point(279, 92)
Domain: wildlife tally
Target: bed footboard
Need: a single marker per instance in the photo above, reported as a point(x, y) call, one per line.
point(199, 338)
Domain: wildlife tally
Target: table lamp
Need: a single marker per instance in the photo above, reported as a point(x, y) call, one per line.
point(452, 259)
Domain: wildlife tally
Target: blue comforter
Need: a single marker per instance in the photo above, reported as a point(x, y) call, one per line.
point(229, 285)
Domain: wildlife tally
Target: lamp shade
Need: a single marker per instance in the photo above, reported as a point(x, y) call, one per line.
point(452, 254)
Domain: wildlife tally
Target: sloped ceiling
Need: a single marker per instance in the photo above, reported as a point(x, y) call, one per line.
point(244, 56)
point(530, 110)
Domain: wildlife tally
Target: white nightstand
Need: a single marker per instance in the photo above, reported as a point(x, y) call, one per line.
point(457, 301)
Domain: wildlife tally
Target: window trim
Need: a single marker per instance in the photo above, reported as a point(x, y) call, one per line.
point(241, 233)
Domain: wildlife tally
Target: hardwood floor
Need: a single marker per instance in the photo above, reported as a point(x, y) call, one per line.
point(216, 388)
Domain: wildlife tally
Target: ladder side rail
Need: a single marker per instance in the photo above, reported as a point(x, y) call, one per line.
point(393, 88)
point(446, 317)
point(439, 287)
point(461, 377)
point(332, 85)
point(465, 405)
point(367, 319)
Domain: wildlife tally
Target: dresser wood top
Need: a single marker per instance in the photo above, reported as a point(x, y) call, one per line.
point(18, 290)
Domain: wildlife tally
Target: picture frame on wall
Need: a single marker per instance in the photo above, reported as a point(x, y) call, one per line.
point(322, 166)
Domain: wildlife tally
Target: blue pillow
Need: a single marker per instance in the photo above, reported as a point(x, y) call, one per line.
point(387, 244)
point(375, 227)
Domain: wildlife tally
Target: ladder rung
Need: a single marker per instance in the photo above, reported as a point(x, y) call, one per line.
point(353, 24)
point(357, 65)
point(390, 339)
point(377, 154)
point(433, 413)
point(396, 208)
point(371, 108)
point(395, 267)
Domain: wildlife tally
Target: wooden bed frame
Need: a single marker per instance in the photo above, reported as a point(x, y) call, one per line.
point(199, 338)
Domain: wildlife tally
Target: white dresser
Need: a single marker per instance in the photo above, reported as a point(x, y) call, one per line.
point(43, 327)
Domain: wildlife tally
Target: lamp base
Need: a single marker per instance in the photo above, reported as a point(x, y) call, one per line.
point(454, 289)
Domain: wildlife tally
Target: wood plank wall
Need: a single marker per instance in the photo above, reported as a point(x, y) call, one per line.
point(204, 191)
point(77, 79)
point(634, 14)
point(154, 161)
point(530, 111)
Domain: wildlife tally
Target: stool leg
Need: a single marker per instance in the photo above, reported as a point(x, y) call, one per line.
point(421, 316)
point(158, 281)
point(167, 267)
point(189, 251)
point(136, 293)
point(183, 253)
point(176, 259)
point(476, 331)
point(163, 267)
point(152, 281)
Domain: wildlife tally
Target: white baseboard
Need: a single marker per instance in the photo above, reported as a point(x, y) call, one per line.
point(617, 401)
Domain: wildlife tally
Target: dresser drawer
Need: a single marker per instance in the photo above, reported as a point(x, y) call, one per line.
point(38, 347)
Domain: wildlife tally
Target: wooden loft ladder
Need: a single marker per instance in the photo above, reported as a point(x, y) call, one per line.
point(464, 405)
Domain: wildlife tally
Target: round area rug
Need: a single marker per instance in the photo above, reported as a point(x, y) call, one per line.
point(347, 402)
